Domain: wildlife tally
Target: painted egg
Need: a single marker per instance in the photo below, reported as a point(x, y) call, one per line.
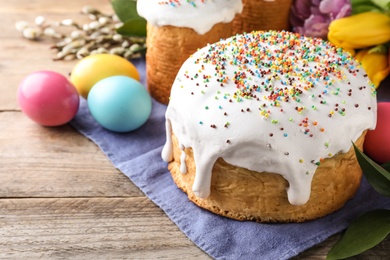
point(119, 103)
point(377, 142)
point(48, 98)
point(91, 69)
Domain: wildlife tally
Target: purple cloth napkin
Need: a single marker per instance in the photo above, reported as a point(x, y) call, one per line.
point(138, 155)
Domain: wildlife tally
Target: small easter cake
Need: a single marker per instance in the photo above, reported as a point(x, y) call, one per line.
point(260, 127)
point(178, 28)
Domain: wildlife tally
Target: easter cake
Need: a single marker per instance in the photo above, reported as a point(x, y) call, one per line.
point(262, 15)
point(175, 30)
point(260, 127)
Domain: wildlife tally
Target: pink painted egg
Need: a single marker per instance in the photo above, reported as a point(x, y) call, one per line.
point(48, 98)
point(377, 142)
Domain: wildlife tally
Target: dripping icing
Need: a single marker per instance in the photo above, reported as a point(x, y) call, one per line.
point(183, 165)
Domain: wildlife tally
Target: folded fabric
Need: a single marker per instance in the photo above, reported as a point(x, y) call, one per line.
point(138, 155)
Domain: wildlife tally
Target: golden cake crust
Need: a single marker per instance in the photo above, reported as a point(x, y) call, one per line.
point(168, 47)
point(263, 15)
point(242, 194)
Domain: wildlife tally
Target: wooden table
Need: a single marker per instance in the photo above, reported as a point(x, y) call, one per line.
point(60, 197)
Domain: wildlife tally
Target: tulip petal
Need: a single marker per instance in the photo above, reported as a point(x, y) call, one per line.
point(316, 26)
point(360, 31)
point(300, 11)
point(345, 11)
point(334, 6)
point(375, 64)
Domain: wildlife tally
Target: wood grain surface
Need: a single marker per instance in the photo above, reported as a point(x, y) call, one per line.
point(60, 197)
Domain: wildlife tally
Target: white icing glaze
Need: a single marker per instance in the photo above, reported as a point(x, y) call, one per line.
point(200, 15)
point(231, 100)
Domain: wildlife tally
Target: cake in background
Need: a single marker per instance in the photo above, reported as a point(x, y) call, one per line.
point(263, 15)
point(175, 30)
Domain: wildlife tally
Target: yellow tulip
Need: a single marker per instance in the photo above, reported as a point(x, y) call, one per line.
point(360, 30)
point(375, 64)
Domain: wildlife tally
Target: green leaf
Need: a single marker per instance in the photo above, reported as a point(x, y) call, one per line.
point(386, 166)
point(125, 9)
point(379, 49)
point(378, 177)
point(361, 6)
point(362, 234)
point(355, 3)
point(134, 27)
point(384, 4)
point(365, 8)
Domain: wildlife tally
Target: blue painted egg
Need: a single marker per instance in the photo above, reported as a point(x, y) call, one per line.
point(119, 103)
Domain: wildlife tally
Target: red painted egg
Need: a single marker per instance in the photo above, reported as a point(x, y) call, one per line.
point(377, 142)
point(48, 98)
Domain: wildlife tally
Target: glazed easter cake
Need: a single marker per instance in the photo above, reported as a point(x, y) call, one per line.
point(260, 127)
point(175, 30)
